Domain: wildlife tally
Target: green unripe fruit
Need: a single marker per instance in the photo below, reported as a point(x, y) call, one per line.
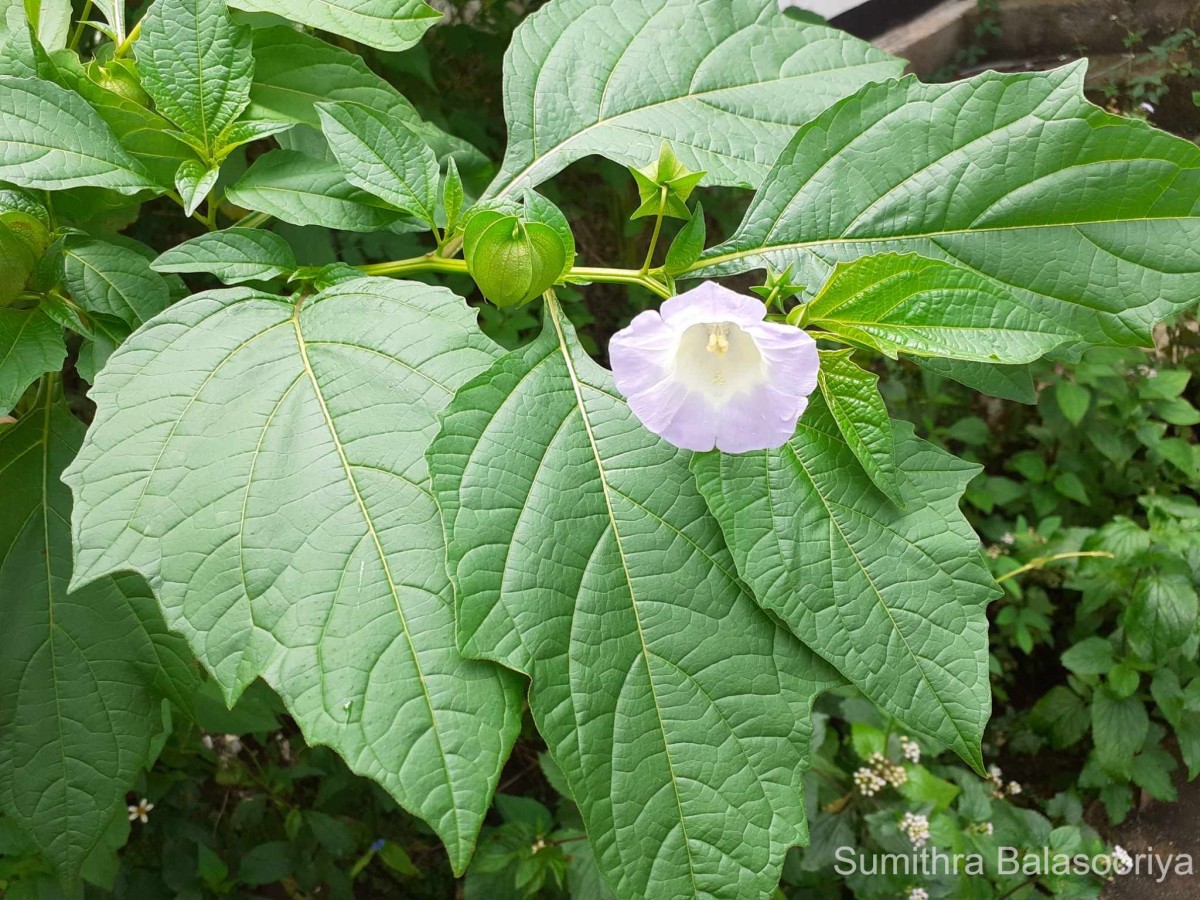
point(17, 259)
point(119, 78)
point(512, 261)
point(29, 229)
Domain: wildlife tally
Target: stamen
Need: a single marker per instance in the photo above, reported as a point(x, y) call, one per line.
point(718, 342)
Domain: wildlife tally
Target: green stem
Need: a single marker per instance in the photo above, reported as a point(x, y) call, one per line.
point(417, 264)
point(82, 24)
point(1043, 561)
point(658, 220)
point(618, 276)
point(434, 263)
point(253, 220)
point(127, 44)
point(210, 220)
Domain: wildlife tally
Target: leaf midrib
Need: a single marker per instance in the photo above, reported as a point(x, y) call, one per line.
point(383, 561)
point(766, 250)
point(553, 311)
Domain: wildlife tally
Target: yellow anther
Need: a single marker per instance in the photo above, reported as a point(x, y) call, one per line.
point(718, 343)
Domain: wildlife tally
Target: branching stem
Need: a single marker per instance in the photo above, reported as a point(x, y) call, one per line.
point(435, 263)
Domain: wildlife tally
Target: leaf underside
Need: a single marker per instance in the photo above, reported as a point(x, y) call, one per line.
point(384, 24)
point(262, 464)
point(583, 556)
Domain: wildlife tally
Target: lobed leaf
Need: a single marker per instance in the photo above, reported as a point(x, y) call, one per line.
point(582, 555)
point(894, 598)
point(82, 673)
point(726, 82)
point(1085, 217)
point(261, 462)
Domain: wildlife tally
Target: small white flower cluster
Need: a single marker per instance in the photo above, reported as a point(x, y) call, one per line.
point(1122, 861)
point(888, 770)
point(1147, 371)
point(998, 787)
point(910, 748)
point(878, 774)
point(985, 828)
point(917, 893)
point(868, 783)
point(916, 828)
point(140, 812)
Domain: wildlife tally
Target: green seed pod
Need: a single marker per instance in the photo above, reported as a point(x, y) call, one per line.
point(119, 77)
point(28, 229)
point(512, 261)
point(17, 259)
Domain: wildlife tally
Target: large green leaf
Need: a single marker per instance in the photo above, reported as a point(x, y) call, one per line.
point(197, 65)
point(386, 24)
point(43, 146)
point(1085, 217)
point(82, 674)
point(895, 598)
point(262, 464)
point(727, 82)
point(582, 556)
point(31, 344)
point(905, 303)
point(306, 191)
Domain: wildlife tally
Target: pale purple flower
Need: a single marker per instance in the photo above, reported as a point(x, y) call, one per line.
point(706, 370)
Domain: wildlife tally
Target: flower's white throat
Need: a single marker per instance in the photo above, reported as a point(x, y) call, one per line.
point(718, 360)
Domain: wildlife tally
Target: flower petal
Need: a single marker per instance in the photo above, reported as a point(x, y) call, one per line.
point(712, 303)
